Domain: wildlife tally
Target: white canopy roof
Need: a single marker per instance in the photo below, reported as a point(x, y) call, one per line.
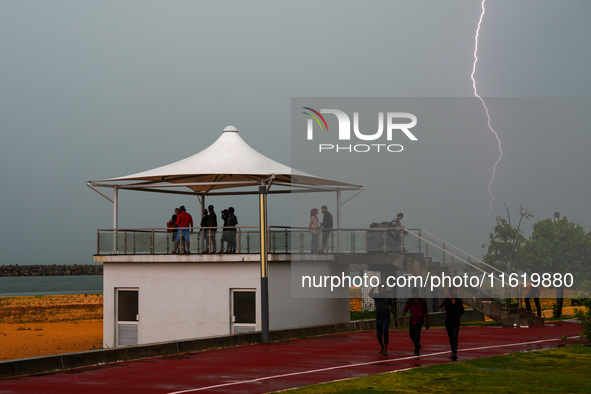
point(228, 163)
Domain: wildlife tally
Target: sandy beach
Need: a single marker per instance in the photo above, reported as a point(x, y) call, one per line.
point(44, 325)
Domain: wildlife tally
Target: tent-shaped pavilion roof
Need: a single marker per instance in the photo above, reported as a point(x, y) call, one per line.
point(227, 163)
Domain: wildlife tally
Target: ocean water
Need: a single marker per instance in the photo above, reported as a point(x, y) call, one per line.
point(12, 286)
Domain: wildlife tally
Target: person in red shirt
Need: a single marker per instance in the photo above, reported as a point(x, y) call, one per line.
point(183, 221)
point(418, 315)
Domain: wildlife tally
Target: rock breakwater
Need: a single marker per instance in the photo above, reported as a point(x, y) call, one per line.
point(50, 270)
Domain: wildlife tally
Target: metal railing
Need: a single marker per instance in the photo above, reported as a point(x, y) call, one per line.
point(434, 251)
point(138, 241)
point(281, 240)
point(291, 240)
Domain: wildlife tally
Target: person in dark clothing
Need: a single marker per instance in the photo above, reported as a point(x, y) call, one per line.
point(326, 228)
point(203, 231)
point(419, 314)
point(174, 227)
point(384, 305)
point(225, 216)
point(397, 223)
point(232, 222)
point(454, 309)
point(534, 293)
point(212, 224)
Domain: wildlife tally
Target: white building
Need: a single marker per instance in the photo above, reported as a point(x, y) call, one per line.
point(159, 298)
point(153, 296)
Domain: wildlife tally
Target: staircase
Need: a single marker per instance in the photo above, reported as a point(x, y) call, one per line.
point(479, 299)
point(425, 255)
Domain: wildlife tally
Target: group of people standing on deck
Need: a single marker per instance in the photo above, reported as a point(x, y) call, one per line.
point(324, 227)
point(419, 316)
point(181, 226)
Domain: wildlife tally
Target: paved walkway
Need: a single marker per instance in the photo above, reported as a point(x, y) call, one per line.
point(288, 364)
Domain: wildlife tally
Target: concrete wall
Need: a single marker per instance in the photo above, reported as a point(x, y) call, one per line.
point(177, 300)
point(288, 309)
point(185, 300)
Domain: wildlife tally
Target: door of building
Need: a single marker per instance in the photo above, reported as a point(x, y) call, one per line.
point(127, 316)
point(243, 310)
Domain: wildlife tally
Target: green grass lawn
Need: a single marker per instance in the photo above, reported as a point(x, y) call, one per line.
point(566, 369)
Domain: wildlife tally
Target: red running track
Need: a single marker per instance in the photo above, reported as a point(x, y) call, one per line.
point(288, 364)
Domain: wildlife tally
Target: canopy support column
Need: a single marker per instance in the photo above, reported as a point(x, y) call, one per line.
point(338, 221)
point(338, 209)
point(264, 265)
point(115, 217)
point(201, 200)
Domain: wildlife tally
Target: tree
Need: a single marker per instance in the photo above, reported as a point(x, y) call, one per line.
point(559, 247)
point(506, 243)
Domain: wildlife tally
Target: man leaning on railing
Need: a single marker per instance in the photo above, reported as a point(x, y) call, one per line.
point(398, 231)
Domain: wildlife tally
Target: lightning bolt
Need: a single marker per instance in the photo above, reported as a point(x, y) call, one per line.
point(494, 169)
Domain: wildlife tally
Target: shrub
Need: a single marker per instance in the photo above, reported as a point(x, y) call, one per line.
point(362, 315)
point(584, 316)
